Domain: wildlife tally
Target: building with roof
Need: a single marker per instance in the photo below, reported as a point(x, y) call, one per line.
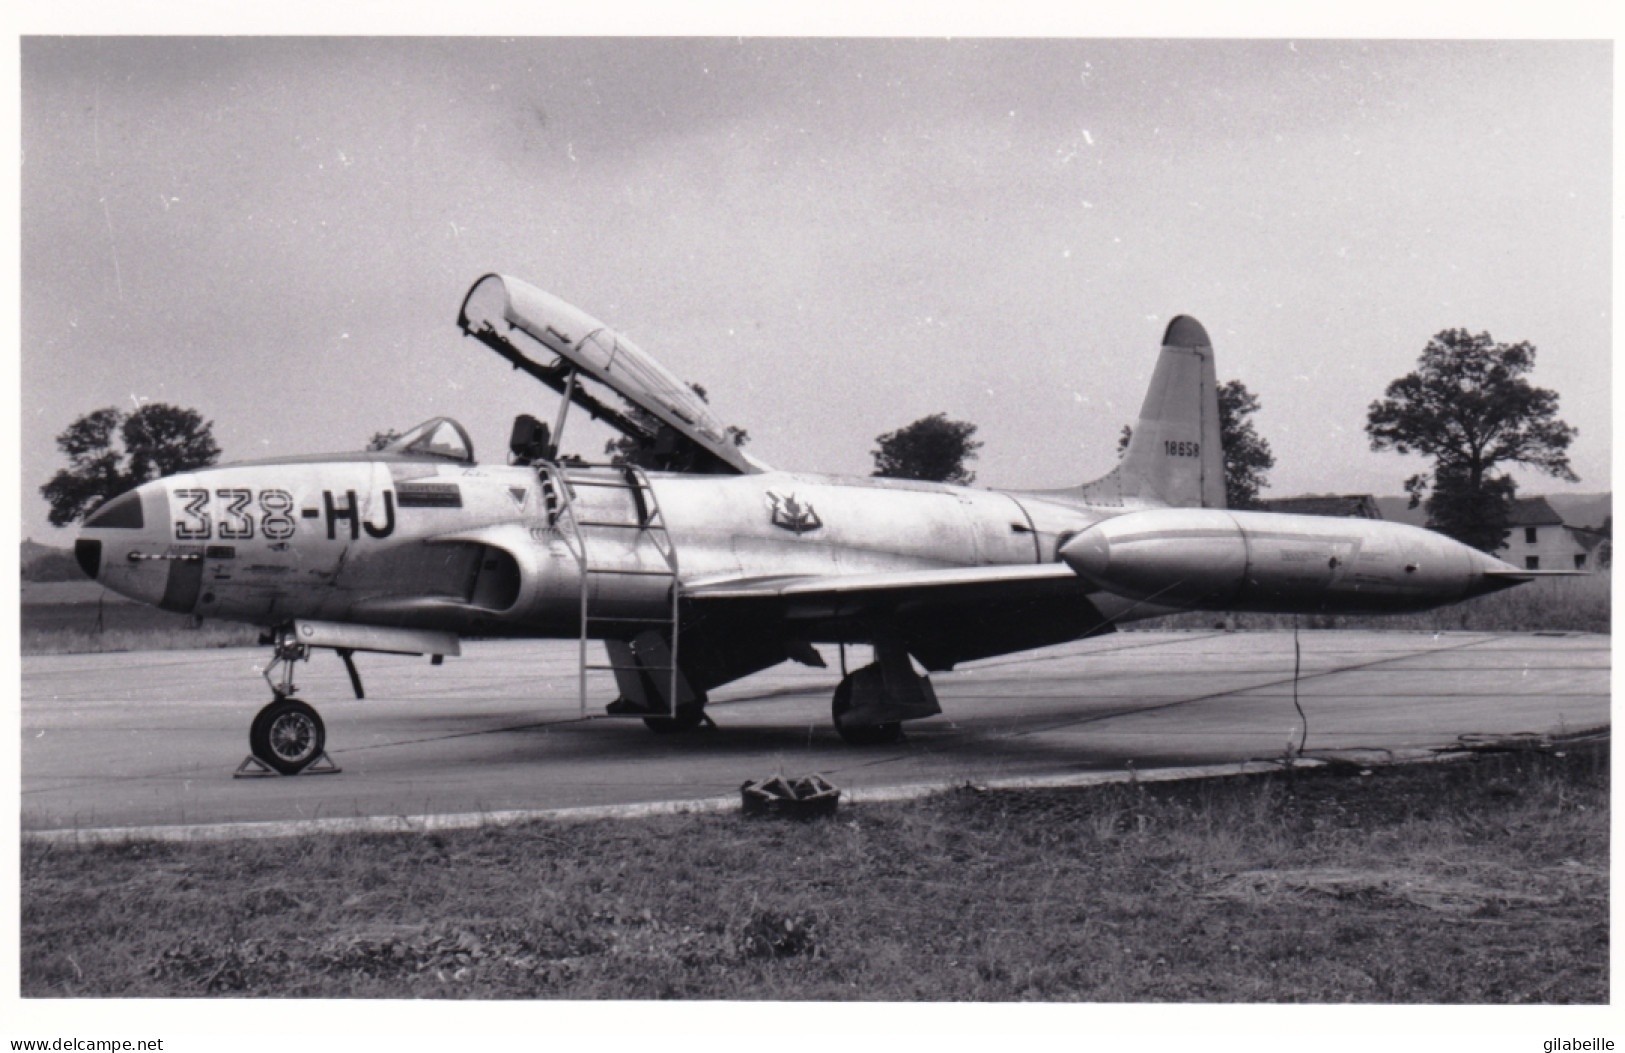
point(1538, 539)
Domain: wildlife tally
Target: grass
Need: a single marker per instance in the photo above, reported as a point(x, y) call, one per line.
point(81, 617)
point(89, 641)
point(1472, 882)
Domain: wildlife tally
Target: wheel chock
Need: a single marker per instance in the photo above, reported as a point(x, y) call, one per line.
point(254, 768)
point(808, 798)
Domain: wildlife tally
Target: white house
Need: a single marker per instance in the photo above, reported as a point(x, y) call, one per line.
point(1540, 540)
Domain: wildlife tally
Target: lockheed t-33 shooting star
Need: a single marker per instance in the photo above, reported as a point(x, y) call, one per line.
point(698, 565)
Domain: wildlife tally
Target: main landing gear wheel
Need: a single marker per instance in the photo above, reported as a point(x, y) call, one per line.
point(287, 735)
point(688, 718)
point(860, 734)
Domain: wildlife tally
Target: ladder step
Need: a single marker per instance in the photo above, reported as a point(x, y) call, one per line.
point(632, 571)
point(629, 619)
point(634, 668)
point(656, 533)
point(651, 524)
point(607, 484)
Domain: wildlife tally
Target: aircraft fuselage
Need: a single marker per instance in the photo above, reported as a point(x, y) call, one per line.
point(489, 548)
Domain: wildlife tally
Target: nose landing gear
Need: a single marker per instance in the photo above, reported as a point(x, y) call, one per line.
point(287, 736)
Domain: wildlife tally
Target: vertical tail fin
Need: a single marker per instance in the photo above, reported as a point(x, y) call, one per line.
point(1174, 457)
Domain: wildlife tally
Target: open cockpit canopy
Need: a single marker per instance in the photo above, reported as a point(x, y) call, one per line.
point(441, 437)
point(565, 348)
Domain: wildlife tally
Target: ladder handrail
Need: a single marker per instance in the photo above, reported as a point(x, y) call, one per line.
point(576, 543)
point(652, 521)
point(668, 552)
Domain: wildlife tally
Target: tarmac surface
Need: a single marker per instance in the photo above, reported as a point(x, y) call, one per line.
point(151, 739)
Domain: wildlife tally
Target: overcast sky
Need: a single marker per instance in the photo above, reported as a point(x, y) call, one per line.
point(834, 237)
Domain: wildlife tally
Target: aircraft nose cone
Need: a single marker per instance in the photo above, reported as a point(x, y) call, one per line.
point(88, 552)
point(1089, 555)
point(124, 545)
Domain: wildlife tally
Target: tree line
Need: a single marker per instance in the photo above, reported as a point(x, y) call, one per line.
point(1468, 408)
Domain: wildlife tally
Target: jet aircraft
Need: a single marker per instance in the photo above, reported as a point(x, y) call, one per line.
point(695, 564)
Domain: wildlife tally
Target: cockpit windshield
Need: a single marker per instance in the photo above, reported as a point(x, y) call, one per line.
point(440, 437)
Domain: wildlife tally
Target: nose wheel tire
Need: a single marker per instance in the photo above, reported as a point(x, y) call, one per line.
point(287, 735)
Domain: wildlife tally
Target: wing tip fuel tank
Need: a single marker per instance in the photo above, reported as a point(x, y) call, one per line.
point(1214, 559)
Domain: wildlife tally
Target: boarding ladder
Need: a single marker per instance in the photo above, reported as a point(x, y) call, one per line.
point(559, 485)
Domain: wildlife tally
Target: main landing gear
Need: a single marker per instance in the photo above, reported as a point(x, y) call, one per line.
point(883, 733)
point(871, 703)
point(287, 736)
point(644, 676)
point(690, 715)
point(688, 718)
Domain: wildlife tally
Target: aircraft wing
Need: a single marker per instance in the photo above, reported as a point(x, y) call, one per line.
point(549, 339)
point(944, 616)
point(813, 588)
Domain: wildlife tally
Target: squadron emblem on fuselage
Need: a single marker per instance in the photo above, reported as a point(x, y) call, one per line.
point(791, 514)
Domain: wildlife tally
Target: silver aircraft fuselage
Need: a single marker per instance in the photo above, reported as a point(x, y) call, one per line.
point(482, 549)
point(477, 548)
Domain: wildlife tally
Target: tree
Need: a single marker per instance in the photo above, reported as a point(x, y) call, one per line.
point(933, 448)
point(1247, 454)
point(1468, 407)
point(110, 451)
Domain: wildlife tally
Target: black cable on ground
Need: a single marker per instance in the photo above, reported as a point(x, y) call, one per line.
point(1297, 665)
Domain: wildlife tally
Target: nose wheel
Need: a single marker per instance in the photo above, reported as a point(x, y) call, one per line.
point(287, 736)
